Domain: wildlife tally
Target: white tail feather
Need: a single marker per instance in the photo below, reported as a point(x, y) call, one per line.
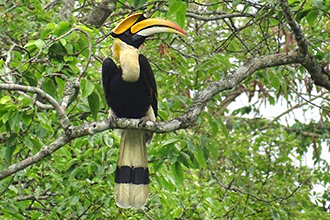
point(122, 194)
point(139, 195)
point(133, 154)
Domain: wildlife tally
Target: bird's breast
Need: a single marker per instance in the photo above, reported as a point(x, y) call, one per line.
point(129, 100)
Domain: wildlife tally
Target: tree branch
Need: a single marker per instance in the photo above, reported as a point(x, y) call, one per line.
point(44, 152)
point(72, 88)
point(51, 4)
point(101, 12)
point(9, 79)
point(188, 119)
point(63, 119)
point(237, 189)
point(219, 17)
point(212, 18)
point(318, 74)
point(70, 93)
point(32, 197)
point(66, 9)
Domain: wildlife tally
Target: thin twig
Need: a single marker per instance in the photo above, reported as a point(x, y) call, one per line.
point(291, 109)
point(237, 189)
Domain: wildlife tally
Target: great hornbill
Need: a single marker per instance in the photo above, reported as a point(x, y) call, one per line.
point(131, 92)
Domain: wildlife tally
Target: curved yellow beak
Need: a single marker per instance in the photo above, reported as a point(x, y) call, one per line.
point(151, 26)
point(141, 26)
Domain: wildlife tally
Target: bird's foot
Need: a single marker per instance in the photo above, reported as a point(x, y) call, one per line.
point(111, 117)
point(143, 121)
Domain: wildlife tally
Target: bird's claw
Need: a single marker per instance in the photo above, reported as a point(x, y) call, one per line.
point(112, 118)
point(143, 121)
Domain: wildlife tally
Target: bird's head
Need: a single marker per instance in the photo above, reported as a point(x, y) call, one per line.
point(134, 29)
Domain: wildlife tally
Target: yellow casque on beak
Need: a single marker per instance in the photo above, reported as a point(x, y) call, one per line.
point(146, 27)
point(125, 24)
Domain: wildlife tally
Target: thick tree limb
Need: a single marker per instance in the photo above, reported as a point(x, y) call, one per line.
point(70, 93)
point(188, 119)
point(66, 9)
point(318, 74)
point(51, 4)
point(101, 12)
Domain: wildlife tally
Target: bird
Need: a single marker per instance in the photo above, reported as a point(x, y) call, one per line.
point(131, 92)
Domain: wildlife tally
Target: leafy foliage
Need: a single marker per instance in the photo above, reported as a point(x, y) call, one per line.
point(228, 166)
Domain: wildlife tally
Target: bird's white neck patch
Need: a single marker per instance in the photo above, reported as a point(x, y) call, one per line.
point(128, 58)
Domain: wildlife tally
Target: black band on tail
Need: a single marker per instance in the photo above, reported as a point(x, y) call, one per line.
point(136, 175)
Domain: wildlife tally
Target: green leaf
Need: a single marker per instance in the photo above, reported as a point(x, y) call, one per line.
point(177, 173)
point(10, 148)
point(199, 155)
point(87, 87)
point(236, 2)
point(94, 104)
point(50, 26)
point(61, 28)
point(275, 214)
point(63, 42)
point(311, 17)
point(5, 99)
point(44, 33)
point(174, 6)
point(139, 3)
point(167, 184)
point(69, 48)
point(100, 91)
point(38, 43)
point(169, 142)
point(74, 200)
point(5, 117)
point(177, 213)
point(15, 122)
point(30, 44)
point(27, 119)
point(275, 81)
point(84, 28)
point(224, 128)
point(180, 15)
point(49, 87)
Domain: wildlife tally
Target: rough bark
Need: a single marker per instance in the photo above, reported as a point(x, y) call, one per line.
point(100, 13)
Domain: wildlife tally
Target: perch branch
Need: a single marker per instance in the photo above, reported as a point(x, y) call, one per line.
point(188, 119)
